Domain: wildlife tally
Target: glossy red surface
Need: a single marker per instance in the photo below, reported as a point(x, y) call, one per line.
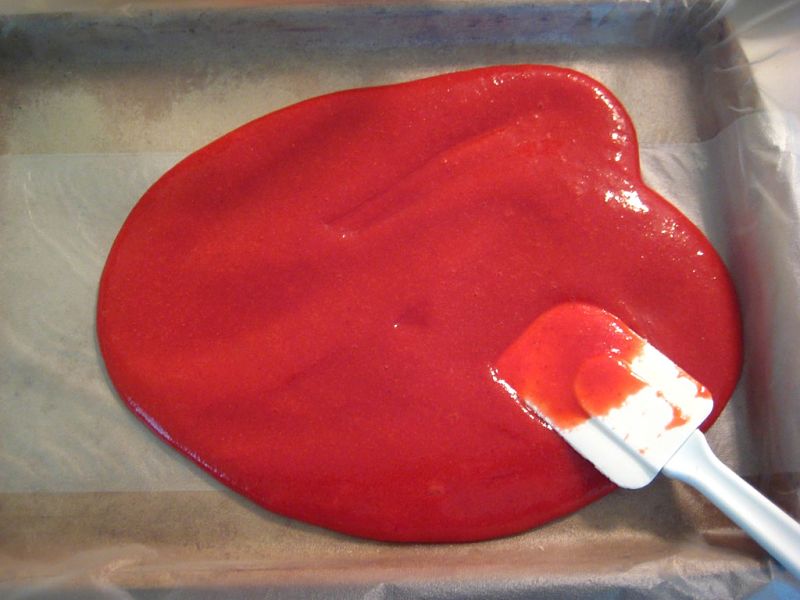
point(603, 383)
point(311, 306)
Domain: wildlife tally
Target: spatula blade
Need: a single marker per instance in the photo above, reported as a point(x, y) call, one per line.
point(632, 407)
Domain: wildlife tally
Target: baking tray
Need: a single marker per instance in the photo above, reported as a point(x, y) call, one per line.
point(98, 99)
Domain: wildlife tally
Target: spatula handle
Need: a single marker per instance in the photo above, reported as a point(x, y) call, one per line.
point(777, 532)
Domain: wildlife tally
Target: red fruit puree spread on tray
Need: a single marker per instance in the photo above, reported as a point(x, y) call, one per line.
point(311, 306)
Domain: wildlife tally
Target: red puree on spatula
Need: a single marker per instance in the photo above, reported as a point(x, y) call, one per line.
point(310, 306)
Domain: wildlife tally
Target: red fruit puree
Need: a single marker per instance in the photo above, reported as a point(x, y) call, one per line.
point(311, 306)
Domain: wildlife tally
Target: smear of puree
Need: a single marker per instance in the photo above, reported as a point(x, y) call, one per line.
point(310, 307)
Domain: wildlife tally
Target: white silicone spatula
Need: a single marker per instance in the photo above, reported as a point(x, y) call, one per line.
point(633, 413)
